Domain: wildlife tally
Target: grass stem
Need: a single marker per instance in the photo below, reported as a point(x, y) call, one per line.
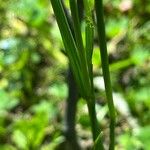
point(105, 68)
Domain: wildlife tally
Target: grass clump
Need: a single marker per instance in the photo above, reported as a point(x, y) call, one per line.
point(80, 58)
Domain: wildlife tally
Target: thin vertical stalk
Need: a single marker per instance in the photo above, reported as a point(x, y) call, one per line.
point(94, 123)
point(69, 43)
point(105, 68)
point(79, 43)
point(89, 38)
point(76, 25)
point(89, 42)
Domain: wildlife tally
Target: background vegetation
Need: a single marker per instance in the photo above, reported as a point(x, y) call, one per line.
point(33, 70)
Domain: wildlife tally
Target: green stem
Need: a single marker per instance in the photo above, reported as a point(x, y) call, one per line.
point(89, 32)
point(105, 68)
point(76, 25)
point(69, 43)
point(94, 123)
point(79, 43)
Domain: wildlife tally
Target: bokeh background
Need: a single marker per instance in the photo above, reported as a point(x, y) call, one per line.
point(33, 68)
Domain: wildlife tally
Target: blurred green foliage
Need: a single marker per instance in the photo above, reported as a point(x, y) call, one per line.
point(33, 88)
